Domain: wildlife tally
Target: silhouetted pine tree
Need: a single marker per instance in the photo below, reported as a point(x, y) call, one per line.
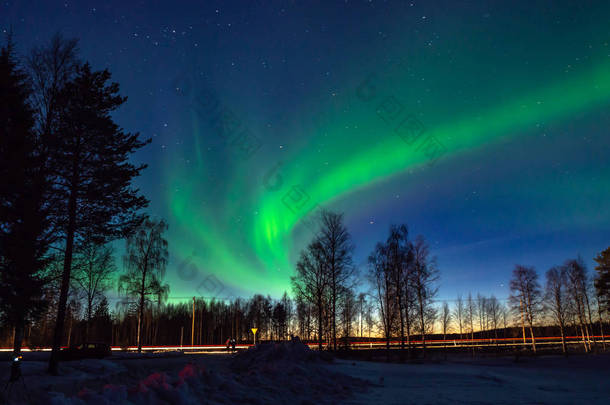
point(602, 280)
point(24, 228)
point(91, 155)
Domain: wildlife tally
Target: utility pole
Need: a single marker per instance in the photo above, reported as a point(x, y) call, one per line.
point(193, 325)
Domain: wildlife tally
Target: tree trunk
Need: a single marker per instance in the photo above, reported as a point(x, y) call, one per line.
point(421, 320)
point(18, 338)
point(334, 312)
point(588, 307)
point(141, 305)
point(65, 285)
point(402, 323)
point(472, 334)
point(69, 328)
point(563, 339)
point(601, 330)
point(89, 315)
point(320, 323)
point(530, 320)
point(533, 338)
point(17, 342)
point(423, 331)
point(522, 319)
point(140, 321)
point(584, 342)
point(408, 325)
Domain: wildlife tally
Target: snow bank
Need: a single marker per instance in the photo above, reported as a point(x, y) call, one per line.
point(288, 373)
point(295, 370)
point(277, 355)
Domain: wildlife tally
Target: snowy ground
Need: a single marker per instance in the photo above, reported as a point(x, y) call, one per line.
point(293, 375)
point(550, 380)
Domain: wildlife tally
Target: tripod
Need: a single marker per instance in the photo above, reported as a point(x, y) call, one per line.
point(16, 376)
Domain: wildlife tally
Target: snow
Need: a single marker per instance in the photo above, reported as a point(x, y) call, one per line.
point(542, 380)
point(291, 373)
point(284, 373)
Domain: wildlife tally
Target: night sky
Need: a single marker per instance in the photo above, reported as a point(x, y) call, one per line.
point(482, 125)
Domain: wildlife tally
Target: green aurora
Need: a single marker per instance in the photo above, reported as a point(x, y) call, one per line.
point(270, 235)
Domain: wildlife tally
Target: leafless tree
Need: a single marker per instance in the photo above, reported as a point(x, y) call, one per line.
point(576, 277)
point(310, 284)
point(380, 272)
point(93, 272)
point(348, 311)
point(494, 314)
point(425, 276)
point(459, 312)
point(369, 318)
point(361, 311)
point(409, 302)
point(482, 312)
point(526, 296)
point(445, 319)
point(471, 312)
point(145, 261)
point(290, 315)
point(303, 317)
point(337, 248)
point(556, 299)
point(50, 68)
point(504, 315)
point(400, 259)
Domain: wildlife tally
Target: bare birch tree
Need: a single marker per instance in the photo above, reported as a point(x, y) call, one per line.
point(576, 277)
point(310, 283)
point(445, 319)
point(145, 261)
point(526, 296)
point(337, 248)
point(459, 313)
point(425, 276)
point(380, 273)
point(93, 271)
point(556, 299)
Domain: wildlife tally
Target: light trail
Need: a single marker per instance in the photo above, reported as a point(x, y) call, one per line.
point(394, 344)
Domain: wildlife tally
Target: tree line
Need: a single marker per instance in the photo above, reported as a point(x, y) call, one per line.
point(570, 298)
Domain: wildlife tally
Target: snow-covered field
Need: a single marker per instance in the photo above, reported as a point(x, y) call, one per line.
point(292, 374)
point(551, 380)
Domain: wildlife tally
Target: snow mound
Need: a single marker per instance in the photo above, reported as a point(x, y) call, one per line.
point(277, 355)
point(290, 372)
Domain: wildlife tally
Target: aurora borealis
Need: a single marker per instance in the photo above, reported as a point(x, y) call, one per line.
point(515, 97)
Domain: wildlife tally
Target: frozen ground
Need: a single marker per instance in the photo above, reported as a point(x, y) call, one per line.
point(294, 375)
point(550, 380)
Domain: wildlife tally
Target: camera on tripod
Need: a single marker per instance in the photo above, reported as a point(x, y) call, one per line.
point(16, 369)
